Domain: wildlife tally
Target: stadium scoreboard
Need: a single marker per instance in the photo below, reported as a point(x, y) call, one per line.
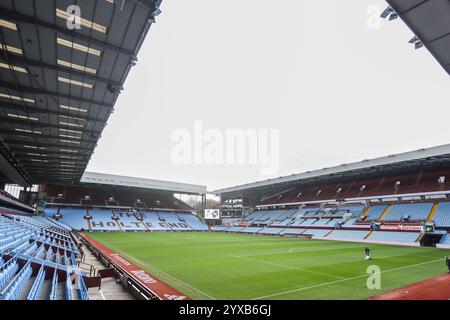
point(212, 214)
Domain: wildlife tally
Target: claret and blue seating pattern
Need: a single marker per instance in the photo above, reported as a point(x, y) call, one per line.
point(38, 260)
point(108, 219)
point(348, 222)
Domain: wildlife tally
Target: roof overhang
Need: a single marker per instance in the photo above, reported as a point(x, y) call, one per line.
point(11, 173)
point(394, 159)
point(430, 22)
point(134, 182)
point(59, 82)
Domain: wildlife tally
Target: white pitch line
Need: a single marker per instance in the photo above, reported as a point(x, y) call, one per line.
point(164, 273)
point(338, 281)
point(300, 250)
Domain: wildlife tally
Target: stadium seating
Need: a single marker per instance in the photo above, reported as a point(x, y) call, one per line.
point(106, 219)
point(218, 228)
point(424, 181)
point(317, 232)
point(348, 235)
point(129, 222)
point(192, 221)
point(38, 241)
point(415, 212)
point(292, 231)
point(234, 229)
point(172, 221)
point(394, 236)
point(442, 215)
point(375, 212)
point(445, 239)
point(322, 222)
point(250, 229)
point(101, 220)
point(72, 217)
point(271, 231)
point(354, 210)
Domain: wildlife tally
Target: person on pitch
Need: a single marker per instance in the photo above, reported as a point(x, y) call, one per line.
point(367, 253)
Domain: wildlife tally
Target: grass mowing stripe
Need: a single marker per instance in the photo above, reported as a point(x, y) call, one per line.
point(289, 267)
point(204, 265)
point(342, 280)
point(152, 267)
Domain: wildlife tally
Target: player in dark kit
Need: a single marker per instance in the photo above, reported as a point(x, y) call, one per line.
point(367, 252)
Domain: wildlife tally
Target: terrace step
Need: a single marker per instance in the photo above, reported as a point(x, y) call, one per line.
point(433, 212)
point(61, 291)
point(369, 235)
point(384, 213)
point(26, 289)
point(420, 237)
point(364, 212)
point(44, 293)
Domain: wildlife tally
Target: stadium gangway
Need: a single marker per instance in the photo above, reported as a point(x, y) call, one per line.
point(54, 290)
point(68, 287)
point(37, 284)
point(49, 253)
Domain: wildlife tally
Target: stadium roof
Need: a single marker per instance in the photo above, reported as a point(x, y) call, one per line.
point(59, 83)
point(430, 22)
point(439, 153)
point(114, 180)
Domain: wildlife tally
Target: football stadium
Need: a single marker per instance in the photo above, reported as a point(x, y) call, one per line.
point(374, 229)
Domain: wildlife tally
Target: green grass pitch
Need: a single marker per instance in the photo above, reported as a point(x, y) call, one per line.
point(236, 266)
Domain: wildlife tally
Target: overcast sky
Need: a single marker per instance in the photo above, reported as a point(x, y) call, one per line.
point(337, 90)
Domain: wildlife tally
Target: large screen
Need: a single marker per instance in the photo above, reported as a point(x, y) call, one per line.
point(212, 214)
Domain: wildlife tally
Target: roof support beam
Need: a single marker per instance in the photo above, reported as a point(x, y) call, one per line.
point(21, 153)
point(148, 3)
point(25, 63)
point(32, 124)
point(24, 89)
point(44, 136)
point(24, 152)
point(10, 168)
point(48, 145)
point(34, 110)
point(21, 18)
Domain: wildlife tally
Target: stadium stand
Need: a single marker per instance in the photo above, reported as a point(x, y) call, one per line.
point(317, 232)
point(375, 212)
point(34, 252)
point(412, 212)
point(272, 231)
point(348, 235)
point(101, 220)
point(104, 219)
point(128, 221)
point(289, 231)
point(394, 236)
point(445, 239)
point(442, 215)
point(73, 217)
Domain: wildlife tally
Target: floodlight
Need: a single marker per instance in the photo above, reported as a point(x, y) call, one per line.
point(387, 12)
